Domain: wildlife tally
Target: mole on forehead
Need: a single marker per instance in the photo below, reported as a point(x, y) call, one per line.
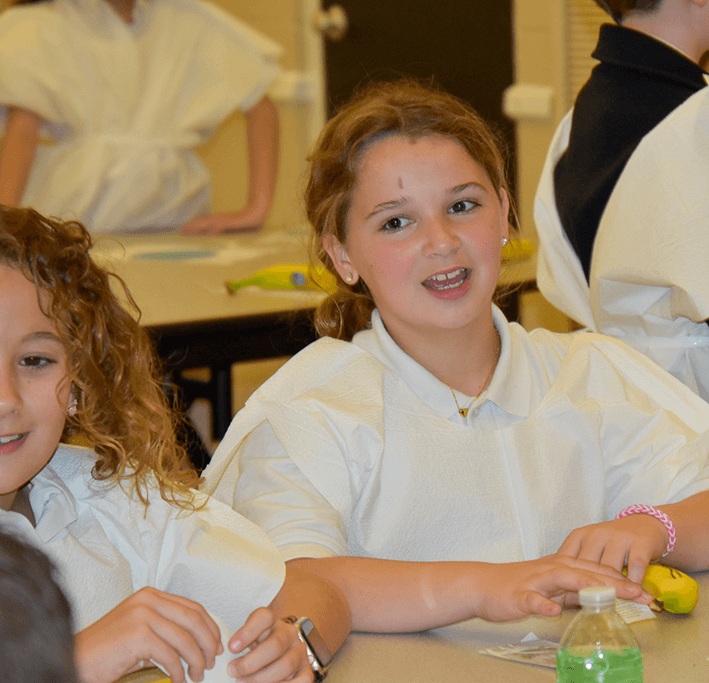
point(401, 185)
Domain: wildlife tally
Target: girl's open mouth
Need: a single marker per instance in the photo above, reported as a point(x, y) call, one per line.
point(451, 280)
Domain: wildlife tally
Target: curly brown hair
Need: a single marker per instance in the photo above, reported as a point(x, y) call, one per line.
point(122, 409)
point(406, 108)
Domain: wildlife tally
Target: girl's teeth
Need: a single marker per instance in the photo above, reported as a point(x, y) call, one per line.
point(10, 439)
point(458, 275)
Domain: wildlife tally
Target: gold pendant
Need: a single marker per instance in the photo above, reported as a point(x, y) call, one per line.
point(463, 412)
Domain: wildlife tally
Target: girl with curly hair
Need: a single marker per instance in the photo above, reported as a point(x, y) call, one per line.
point(434, 460)
point(145, 559)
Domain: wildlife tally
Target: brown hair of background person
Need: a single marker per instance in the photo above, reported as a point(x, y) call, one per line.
point(36, 643)
point(619, 8)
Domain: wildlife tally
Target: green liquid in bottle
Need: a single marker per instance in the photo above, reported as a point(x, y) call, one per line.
point(600, 666)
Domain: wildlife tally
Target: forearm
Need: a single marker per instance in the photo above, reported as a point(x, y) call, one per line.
point(389, 596)
point(691, 520)
point(17, 154)
point(312, 595)
point(262, 142)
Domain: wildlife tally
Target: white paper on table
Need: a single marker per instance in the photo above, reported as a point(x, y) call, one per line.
point(530, 650)
point(630, 611)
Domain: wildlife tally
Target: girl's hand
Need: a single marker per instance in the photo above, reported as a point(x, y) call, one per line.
point(518, 589)
point(148, 625)
point(223, 223)
point(633, 541)
point(277, 653)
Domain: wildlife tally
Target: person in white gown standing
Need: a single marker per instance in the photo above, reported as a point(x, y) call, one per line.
point(105, 101)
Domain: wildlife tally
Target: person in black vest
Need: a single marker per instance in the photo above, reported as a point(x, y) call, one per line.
point(648, 67)
point(622, 209)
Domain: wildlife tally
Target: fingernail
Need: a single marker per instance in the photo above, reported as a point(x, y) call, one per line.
point(235, 646)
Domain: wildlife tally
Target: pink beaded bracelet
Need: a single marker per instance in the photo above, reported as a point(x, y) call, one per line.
point(657, 514)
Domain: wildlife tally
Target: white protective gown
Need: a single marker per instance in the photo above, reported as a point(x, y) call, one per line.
point(649, 283)
point(356, 449)
point(126, 104)
point(107, 546)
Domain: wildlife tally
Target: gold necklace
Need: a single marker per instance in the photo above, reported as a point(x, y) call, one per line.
point(463, 412)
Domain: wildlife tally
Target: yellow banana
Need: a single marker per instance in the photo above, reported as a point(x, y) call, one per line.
point(517, 250)
point(288, 276)
point(673, 589)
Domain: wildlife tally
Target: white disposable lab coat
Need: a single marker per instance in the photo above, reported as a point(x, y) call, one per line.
point(356, 449)
point(649, 284)
point(126, 104)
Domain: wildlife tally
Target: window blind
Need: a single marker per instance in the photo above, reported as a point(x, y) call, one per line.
point(583, 19)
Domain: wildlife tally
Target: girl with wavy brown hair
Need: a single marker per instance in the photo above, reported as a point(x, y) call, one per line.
point(434, 460)
point(148, 562)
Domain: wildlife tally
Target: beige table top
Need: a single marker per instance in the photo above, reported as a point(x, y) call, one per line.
point(675, 650)
point(178, 278)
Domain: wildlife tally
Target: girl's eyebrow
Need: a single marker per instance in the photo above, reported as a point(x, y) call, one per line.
point(42, 336)
point(465, 186)
point(395, 203)
point(384, 206)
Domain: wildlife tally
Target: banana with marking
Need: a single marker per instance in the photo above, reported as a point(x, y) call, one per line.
point(673, 589)
point(288, 276)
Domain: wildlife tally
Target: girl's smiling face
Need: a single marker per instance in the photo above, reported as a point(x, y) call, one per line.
point(34, 390)
point(424, 232)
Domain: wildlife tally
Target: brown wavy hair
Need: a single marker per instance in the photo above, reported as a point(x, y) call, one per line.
point(406, 108)
point(122, 409)
point(618, 9)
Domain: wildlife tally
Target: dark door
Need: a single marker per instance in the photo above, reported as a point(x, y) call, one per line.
point(465, 45)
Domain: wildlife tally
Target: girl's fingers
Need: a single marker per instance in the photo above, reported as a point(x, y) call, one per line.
point(256, 628)
point(191, 619)
point(183, 644)
point(571, 546)
point(279, 656)
point(637, 565)
point(291, 664)
point(273, 648)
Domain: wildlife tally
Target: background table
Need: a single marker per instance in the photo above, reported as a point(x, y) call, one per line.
point(179, 283)
point(675, 650)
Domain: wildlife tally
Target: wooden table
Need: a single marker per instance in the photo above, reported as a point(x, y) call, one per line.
point(179, 284)
point(675, 650)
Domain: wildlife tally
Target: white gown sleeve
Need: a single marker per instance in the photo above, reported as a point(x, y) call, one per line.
point(654, 431)
point(32, 70)
point(560, 276)
point(274, 493)
point(215, 557)
point(296, 458)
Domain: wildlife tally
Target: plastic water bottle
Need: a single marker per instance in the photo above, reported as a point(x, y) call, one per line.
point(598, 647)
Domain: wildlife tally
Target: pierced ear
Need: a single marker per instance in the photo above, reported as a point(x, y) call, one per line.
point(340, 259)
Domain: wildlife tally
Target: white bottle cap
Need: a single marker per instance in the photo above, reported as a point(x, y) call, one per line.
point(597, 597)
